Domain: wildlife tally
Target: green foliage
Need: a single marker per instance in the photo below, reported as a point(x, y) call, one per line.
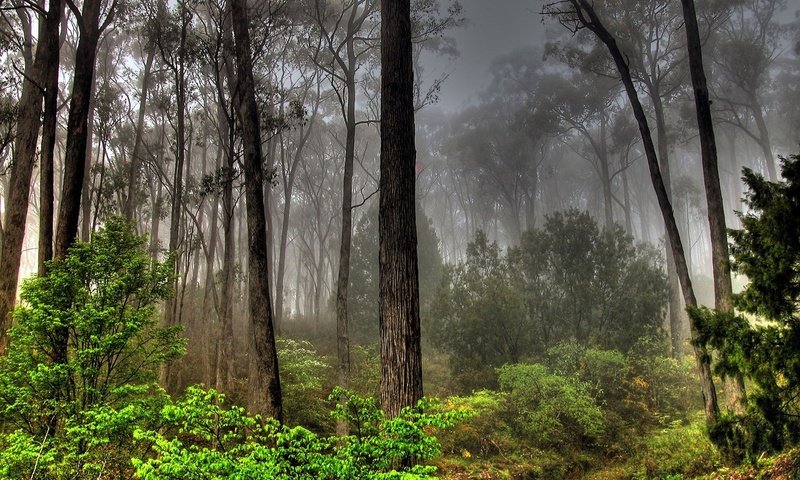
point(569, 281)
point(303, 382)
point(480, 315)
point(680, 451)
point(589, 285)
point(206, 439)
point(767, 251)
point(362, 301)
point(549, 409)
point(79, 373)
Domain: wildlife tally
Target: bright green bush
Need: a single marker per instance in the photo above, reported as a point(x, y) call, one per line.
point(206, 439)
point(548, 409)
point(304, 377)
point(680, 451)
point(485, 433)
point(80, 371)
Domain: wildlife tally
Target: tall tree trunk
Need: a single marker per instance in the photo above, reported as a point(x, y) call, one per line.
point(676, 312)
point(764, 141)
point(78, 127)
point(343, 277)
point(723, 291)
point(608, 198)
point(225, 355)
point(264, 389)
point(401, 355)
point(589, 19)
point(210, 290)
point(49, 125)
point(133, 169)
point(87, 190)
point(28, 123)
point(175, 230)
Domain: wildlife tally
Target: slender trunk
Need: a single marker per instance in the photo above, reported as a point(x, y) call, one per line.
point(702, 357)
point(764, 140)
point(133, 170)
point(155, 221)
point(49, 126)
point(723, 291)
point(88, 182)
point(210, 289)
point(401, 355)
point(264, 389)
point(343, 277)
point(676, 312)
point(29, 110)
point(175, 231)
point(225, 356)
point(608, 199)
point(626, 201)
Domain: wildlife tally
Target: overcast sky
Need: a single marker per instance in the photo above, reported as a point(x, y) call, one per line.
point(494, 28)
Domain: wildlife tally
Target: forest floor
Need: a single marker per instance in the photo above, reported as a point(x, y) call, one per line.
point(785, 466)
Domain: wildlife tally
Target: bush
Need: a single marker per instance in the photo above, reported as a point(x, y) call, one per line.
point(548, 409)
point(208, 440)
point(80, 371)
point(680, 450)
point(303, 383)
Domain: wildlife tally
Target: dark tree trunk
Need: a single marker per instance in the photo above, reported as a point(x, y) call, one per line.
point(28, 123)
point(343, 276)
point(723, 291)
point(608, 197)
point(264, 389)
point(589, 19)
point(50, 122)
point(78, 128)
point(401, 357)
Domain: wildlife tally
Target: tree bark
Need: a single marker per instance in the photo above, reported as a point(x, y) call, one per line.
point(264, 389)
point(343, 276)
point(50, 122)
point(723, 291)
point(401, 357)
point(78, 127)
point(28, 124)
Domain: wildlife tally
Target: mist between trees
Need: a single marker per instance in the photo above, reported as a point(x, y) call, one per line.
point(547, 235)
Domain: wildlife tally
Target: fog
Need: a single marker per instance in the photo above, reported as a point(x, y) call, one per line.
point(565, 194)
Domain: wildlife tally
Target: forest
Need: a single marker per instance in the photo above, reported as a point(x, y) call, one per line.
point(399, 239)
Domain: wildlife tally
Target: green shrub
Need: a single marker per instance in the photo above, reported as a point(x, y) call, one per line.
point(206, 439)
point(680, 450)
point(303, 383)
point(80, 371)
point(485, 433)
point(550, 410)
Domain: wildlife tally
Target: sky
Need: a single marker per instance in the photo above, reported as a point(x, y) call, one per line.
point(494, 28)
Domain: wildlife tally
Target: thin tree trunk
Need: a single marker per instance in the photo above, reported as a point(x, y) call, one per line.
point(676, 312)
point(49, 125)
point(264, 389)
point(401, 356)
point(130, 201)
point(343, 277)
point(723, 290)
point(584, 9)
